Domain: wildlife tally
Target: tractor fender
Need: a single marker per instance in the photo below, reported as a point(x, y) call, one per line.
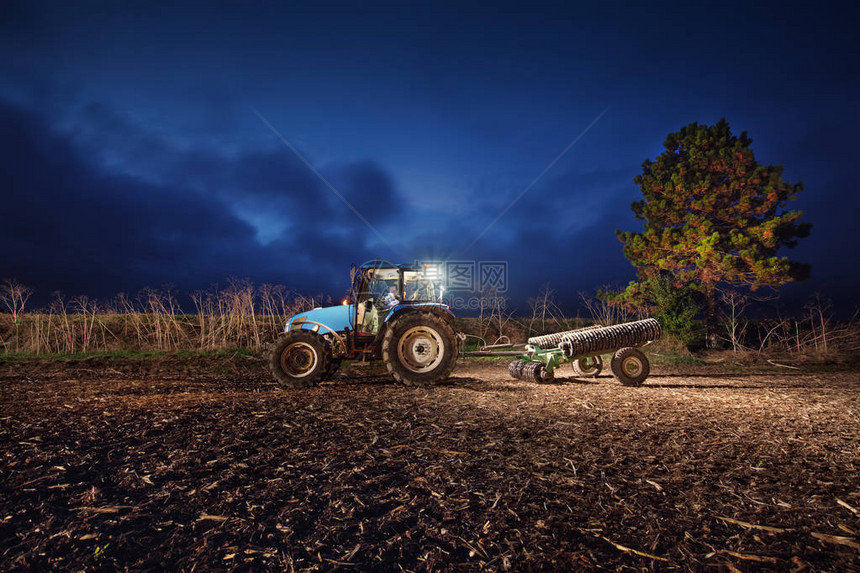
point(436, 308)
point(302, 323)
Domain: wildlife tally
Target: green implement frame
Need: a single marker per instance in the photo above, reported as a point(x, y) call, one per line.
point(538, 359)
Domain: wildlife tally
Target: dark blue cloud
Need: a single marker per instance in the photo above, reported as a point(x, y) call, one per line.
point(73, 227)
point(76, 227)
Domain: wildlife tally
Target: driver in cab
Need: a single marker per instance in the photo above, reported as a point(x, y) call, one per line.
point(390, 299)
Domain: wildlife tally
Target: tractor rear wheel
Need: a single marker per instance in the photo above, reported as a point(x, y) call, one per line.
point(588, 367)
point(299, 359)
point(630, 366)
point(419, 349)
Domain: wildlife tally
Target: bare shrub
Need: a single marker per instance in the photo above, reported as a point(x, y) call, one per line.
point(814, 332)
point(732, 318)
point(607, 311)
point(14, 297)
point(494, 315)
point(546, 316)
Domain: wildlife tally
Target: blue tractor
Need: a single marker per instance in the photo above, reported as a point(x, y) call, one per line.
point(394, 313)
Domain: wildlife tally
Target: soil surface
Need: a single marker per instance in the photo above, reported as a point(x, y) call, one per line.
point(202, 465)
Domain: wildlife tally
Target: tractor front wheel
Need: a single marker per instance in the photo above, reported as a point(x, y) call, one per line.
point(419, 349)
point(299, 359)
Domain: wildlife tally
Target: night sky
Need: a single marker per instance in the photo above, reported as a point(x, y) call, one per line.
point(139, 143)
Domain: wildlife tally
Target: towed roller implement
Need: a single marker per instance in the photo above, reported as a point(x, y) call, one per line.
point(583, 347)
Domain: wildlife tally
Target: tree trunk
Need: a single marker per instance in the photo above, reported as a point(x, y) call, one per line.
point(711, 316)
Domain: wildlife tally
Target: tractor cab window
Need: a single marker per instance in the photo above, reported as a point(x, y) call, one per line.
point(378, 291)
point(384, 287)
point(419, 288)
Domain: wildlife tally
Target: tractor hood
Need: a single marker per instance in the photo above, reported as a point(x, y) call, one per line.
point(334, 318)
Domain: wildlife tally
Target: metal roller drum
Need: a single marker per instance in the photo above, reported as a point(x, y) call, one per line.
point(590, 342)
point(553, 340)
point(515, 368)
point(529, 371)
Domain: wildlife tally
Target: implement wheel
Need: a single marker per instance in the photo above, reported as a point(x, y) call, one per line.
point(419, 349)
point(588, 367)
point(630, 366)
point(299, 359)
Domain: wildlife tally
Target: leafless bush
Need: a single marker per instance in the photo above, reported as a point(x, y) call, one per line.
point(14, 297)
point(494, 315)
point(242, 315)
point(546, 316)
point(820, 325)
point(606, 312)
point(814, 332)
point(732, 318)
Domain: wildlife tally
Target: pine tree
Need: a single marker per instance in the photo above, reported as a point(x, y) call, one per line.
point(714, 215)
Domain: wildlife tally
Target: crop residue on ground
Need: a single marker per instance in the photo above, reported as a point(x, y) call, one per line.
point(130, 465)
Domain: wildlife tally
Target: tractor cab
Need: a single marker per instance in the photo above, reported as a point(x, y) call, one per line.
point(380, 289)
point(394, 313)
